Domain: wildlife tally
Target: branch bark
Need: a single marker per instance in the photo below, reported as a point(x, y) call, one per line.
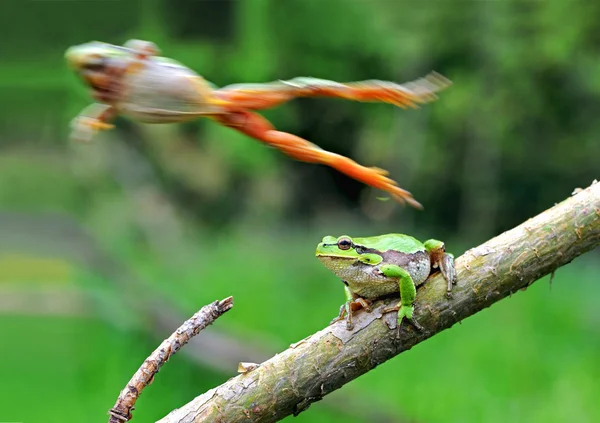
point(310, 369)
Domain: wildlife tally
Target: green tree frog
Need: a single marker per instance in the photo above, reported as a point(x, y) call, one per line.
point(133, 80)
point(382, 265)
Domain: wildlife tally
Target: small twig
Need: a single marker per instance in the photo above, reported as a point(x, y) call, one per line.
point(144, 376)
point(69, 242)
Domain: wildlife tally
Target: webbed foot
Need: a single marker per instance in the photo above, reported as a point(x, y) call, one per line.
point(405, 311)
point(83, 128)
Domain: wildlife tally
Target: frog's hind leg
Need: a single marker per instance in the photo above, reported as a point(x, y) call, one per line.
point(443, 261)
point(263, 96)
point(259, 128)
point(408, 293)
point(253, 96)
point(410, 94)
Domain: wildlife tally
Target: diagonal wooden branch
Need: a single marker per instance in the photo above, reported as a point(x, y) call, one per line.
point(289, 382)
point(121, 412)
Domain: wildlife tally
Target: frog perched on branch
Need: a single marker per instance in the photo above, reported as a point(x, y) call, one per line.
point(134, 81)
point(377, 266)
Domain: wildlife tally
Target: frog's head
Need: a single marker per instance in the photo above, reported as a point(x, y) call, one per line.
point(95, 63)
point(341, 254)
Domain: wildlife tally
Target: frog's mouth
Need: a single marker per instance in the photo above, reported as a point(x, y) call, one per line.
point(335, 261)
point(105, 88)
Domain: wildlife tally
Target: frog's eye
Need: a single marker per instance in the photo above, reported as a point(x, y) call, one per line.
point(94, 63)
point(344, 243)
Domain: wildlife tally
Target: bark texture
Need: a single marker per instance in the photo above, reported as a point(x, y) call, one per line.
point(310, 369)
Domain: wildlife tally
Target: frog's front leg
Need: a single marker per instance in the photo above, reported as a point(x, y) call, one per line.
point(259, 128)
point(443, 261)
point(353, 303)
point(408, 293)
point(263, 96)
point(92, 119)
point(142, 49)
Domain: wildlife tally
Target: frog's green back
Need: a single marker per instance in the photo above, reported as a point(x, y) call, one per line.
point(398, 242)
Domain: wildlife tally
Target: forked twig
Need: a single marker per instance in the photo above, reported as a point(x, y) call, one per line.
point(144, 376)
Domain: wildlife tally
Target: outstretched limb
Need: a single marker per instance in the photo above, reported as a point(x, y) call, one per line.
point(258, 127)
point(263, 96)
point(353, 303)
point(408, 293)
point(92, 119)
point(442, 260)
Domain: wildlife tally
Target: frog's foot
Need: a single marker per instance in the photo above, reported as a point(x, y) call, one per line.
point(443, 261)
point(449, 272)
point(406, 95)
point(83, 128)
point(410, 94)
point(362, 303)
point(348, 308)
point(420, 91)
point(142, 49)
point(404, 311)
point(345, 311)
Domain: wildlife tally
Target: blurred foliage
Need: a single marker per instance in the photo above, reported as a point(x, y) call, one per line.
point(198, 212)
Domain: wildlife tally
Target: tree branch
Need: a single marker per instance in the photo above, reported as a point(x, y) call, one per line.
point(310, 369)
point(121, 412)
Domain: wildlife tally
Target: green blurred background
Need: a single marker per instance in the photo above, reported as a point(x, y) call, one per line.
point(105, 248)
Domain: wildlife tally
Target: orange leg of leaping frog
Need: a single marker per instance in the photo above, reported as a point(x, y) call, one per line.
point(256, 126)
point(263, 96)
point(237, 100)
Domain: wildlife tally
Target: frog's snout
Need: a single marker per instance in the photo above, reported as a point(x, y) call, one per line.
point(319, 248)
point(83, 54)
point(73, 57)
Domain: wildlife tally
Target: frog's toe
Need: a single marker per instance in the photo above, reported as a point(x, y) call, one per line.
point(82, 133)
point(343, 315)
point(335, 320)
point(415, 324)
point(349, 324)
point(83, 128)
point(391, 308)
point(407, 312)
point(364, 304)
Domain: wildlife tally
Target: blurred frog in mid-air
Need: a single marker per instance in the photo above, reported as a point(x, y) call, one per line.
point(378, 266)
point(132, 80)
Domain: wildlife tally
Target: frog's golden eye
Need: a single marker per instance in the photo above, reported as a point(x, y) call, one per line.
point(344, 243)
